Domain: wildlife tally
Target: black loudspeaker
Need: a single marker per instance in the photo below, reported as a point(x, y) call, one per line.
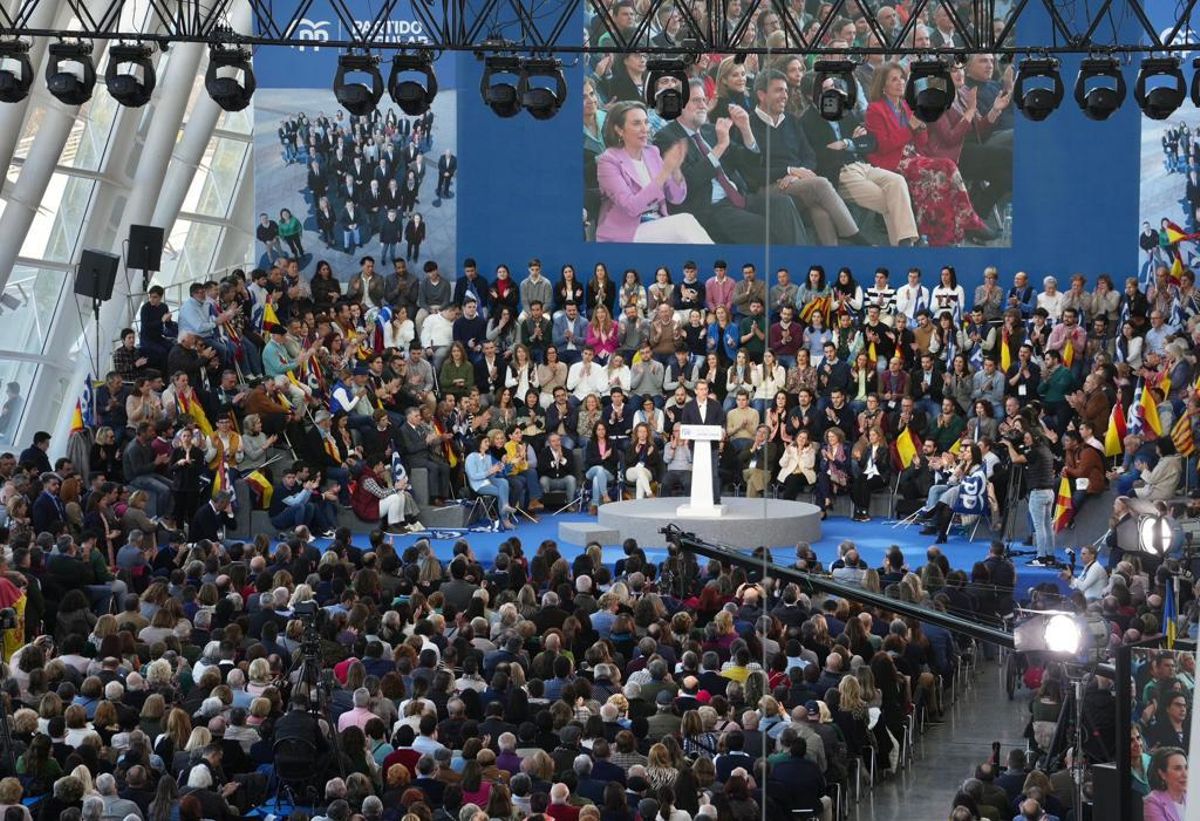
point(145, 248)
point(1106, 805)
point(97, 275)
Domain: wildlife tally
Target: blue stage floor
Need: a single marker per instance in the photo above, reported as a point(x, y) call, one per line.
point(872, 539)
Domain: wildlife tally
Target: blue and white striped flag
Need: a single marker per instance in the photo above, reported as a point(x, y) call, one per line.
point(87, 400)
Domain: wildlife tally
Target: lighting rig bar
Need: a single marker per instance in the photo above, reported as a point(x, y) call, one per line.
point(538, 28)
point(728, 555)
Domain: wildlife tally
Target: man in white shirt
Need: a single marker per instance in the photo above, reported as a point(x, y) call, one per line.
point(913, 296)
point(437, 333)
point(1094, 579)
point(586, 377)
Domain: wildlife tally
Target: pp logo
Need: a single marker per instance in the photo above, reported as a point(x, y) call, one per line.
point(313, 32)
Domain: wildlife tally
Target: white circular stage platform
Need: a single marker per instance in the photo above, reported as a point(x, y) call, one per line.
point(744, 523)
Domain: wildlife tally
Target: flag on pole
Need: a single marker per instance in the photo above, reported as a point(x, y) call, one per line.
point(270, 320)
point(191, 406)
point(1063, 505)
point(1114, 437)
point(261, 489)
point(906, 446)
point(1181, 436)
point(1068, 352)
point(77, 417)
point(1005, 353)
point(818, 304)
point(1148, 411)
point(88, 402)
point(1170, 614)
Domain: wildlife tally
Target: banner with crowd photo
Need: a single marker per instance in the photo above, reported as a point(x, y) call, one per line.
point(333, 187)
point(811, 182)
point(1169, 201)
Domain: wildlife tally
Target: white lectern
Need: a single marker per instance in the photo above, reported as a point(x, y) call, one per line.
point(701, 505)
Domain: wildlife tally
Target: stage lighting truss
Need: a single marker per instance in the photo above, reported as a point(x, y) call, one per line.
point(413, 97)
point(1038, 88)
point(230, 77)
point(1099, 87)
point(16, 71)
point(1160, 87)
point(669, 99)
point(502, 96)
point(930, 90)
point(542, 87)
point(130, 77)
point(835, 90)
point(70, 72)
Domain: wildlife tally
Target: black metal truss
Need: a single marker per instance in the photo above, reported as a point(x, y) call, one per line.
point(547, 27)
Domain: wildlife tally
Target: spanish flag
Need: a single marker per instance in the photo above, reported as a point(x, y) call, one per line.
point(872, 354)
point(1063, 505)
point(906, 446)
point(1114, 437)
point(192, 407)
point(1181, 436)
point(270, 319)
point(1068, 352)
point(261, 489)
point(77, 417)
point(1005, 353)
point(1175, 234)
point(1148, 409)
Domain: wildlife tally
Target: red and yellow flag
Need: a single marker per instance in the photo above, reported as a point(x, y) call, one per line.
point(1063, 505)
point(906, 446)
point(1005, 353)
point(1181, 436)
point(1068, 352)
point(1148, 409)
point(1114, 437)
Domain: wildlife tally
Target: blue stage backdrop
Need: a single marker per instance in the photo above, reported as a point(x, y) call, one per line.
point(311, 157)
point(1074, 207)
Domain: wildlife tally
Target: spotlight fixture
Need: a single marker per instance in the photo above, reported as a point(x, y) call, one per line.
point(930, 90)
point(1155, 534)
point(1100, 87)
point(669, 100)
point(16, 72)
point(130, 77)
point(230, 77)
point(541, 101)
point(70, 73)
point(1039, 101)
point(1160, 101)
point(1063, 634)
point(833, 102)
point(413, 98)
point(502, 96)
point(361, 94)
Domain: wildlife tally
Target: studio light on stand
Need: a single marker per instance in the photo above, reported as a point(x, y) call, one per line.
point(1160, 87)
point(1099, 87)
point(668, 101)
point(833, 102)
point(413, 97)
point(16, 72)
point(1038, 88)
point(360, 94)
point(930, 90)
point(1156, 533)
point(70, 72)
point(542, 87)
point(130, 76)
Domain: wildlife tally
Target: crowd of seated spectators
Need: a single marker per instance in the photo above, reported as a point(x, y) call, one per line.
point(752, 135)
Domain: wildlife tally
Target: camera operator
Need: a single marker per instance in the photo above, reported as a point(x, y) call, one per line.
point(299, 724)
point(1038, 460)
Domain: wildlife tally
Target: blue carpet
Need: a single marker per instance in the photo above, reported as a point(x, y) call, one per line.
point(872, 539)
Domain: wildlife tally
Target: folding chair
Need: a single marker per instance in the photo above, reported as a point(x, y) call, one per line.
point(481, 505)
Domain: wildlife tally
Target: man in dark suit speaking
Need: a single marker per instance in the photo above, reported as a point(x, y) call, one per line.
point(720, 171)
point(706, 410)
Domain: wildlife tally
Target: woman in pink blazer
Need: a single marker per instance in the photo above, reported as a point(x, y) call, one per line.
point(637, 182)
point(939, 197)
point(1168, 785)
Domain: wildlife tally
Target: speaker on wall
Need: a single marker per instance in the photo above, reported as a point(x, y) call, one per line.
point(97, 275)
point(145, 248)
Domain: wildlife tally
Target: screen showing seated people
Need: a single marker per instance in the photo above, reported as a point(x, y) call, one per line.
point(1163, 682)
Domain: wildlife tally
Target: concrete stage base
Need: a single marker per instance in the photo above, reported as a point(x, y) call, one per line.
point(745, 522)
